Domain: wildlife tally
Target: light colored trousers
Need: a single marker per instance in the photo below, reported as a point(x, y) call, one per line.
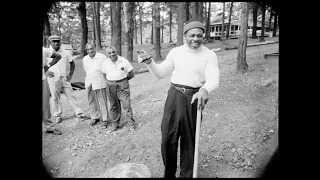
point(56, 85)
point(93, 100)
point(46, 115)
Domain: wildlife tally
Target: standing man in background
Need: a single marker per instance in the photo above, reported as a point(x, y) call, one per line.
point(61, 81)
point(118, 72)
point(47, 124)
point(195, 74)
point(95, 84)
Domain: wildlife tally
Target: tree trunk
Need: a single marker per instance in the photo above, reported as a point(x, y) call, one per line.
point(94, 35)
point(255, 19)
point(135, 30)
point(222, 29)
point(116, 26)
point(157, 30)
point(205, 12)
point(263, 22)
point(200, 15)
point(181, 18)
point(229, 24)
point(162, 29)
point(97, 25)
point(187, 11)
point(111, 24)
point(242, 65)
point(59, 25)
point(208, 22)
point(84, 27)
point(140, 18)
point(194, 10)
point(275, 25)
point(270, 20)
point(170, 23)
point(152, 27)
point(46, 30)
point(129, 7)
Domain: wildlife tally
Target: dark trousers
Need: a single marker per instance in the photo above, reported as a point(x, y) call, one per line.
point(119, 94)
point(179, 120)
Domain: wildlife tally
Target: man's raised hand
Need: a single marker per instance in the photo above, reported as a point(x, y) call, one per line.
point(143, 56)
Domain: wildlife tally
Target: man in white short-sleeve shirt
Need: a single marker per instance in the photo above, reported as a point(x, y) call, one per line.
point(95, 84)
point(61, 80)
point(118, 72)
point(47, 124)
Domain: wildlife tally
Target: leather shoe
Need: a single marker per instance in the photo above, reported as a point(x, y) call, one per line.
point(94, 122)
point(54, 131)
point(105, 124)
point(114, 128)
point(59, 120)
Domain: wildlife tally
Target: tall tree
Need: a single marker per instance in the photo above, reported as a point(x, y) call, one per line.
point(194, 10)
point(200, 13)
point(96, 7)
point(116, 26)
point(208, 22)
point(181, 20)
point(170, 22)
point(242, 65)
point(162, 27)
point(152, 26)
point(229, 23)
point(275, 25)
point(94, 33)
point(84, 27)
point(270, 19)
point(187, 11)
point(46, 29)
point(156, 6)
point(128, 12)
point(111, 20)
point(135, 30)
point(254, 19)
point(222, 31)
point(263, 22)
point(140, 19)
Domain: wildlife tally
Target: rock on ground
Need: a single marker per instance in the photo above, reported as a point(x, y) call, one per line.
point(127, 170)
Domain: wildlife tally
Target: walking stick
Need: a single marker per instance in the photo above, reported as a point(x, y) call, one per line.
point(195, 164)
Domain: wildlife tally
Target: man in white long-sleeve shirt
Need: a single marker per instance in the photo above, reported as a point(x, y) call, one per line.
point(195, 74)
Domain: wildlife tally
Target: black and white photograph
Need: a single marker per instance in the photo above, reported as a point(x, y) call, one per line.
point(160, 89)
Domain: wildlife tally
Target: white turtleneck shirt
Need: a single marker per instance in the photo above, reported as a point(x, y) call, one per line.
point(194, 68)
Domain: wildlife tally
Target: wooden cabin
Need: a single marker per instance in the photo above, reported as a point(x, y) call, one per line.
point(234, 31)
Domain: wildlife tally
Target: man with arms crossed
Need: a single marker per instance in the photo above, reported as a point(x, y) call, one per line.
point(195, 74)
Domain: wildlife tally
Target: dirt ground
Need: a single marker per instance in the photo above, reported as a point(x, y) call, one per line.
point(239, 130)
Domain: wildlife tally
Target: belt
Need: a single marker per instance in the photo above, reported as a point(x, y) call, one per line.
point(185, 89)
point(116, 81)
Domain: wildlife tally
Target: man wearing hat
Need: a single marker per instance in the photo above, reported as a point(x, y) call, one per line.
point(47, 124)
point(195, 74)
point(61, 81)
